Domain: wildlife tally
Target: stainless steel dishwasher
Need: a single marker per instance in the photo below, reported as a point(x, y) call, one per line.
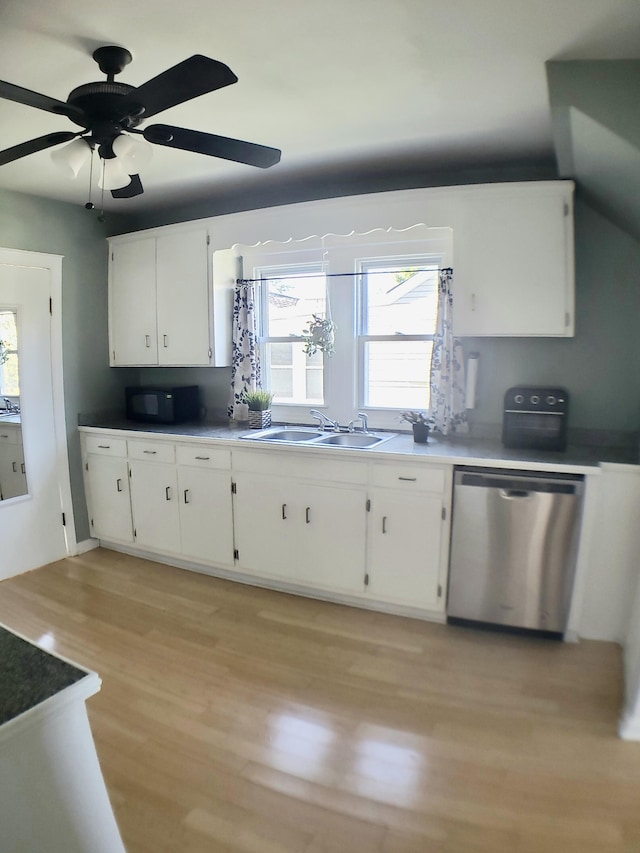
point(513, 547)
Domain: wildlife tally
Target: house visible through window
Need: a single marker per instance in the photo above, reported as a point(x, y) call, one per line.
point(398, 304)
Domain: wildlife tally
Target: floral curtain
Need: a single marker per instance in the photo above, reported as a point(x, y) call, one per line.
point(245, 360)
point(447, 366)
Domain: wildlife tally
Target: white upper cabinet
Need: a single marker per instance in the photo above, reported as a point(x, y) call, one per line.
point(162, 303)
point(514, 261)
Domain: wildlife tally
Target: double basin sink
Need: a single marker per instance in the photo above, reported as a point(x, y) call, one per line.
point(301, 435)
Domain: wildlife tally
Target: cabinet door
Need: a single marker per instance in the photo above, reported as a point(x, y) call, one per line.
point(404, 556)
point(184, 317)
point(206, 520)
point(107, 481)
point(154, 503)
point(514, 264)
point(267, 525)
point(133, 334)
point(333, 537)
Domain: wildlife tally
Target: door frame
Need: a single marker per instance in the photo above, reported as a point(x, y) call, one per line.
point(53, 263)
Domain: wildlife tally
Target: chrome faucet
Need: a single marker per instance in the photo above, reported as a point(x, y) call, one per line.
point(365, 423)
point(324, 421)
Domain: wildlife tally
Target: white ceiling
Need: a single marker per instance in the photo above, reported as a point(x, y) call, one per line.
point(334, 84)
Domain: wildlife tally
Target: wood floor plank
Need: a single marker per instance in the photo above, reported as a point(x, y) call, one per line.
point(234, 719)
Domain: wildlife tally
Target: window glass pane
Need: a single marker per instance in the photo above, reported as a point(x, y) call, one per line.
point(396, 374)
point(291, 375)
point(290, 301)
point(398, 298)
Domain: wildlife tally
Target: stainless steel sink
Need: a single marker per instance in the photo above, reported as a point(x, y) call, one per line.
point(353, 439)
point(284, 434)
point(315, 438)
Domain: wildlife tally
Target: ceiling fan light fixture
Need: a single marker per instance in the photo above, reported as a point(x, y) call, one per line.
point(133, 153)
point(72, 157)
point(113, 175)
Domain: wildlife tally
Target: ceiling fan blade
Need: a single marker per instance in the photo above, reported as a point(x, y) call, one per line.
point(41, 102)
point(214, 146)
point(132, 189)
point(188, 79)
point(33, 145)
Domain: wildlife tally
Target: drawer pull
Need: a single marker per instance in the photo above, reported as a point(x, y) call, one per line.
point(14, 467)
point(203, 458)
point(164, 341)
point(147, 341)
point(150, 452)
point(104, 447)
point(384, 523)
point(22, 467)
point(167, 493)
point(4, 435)
point(408, 479)
point(307, 515)
point(284, 512)
point(186, 496)
point(119, 484)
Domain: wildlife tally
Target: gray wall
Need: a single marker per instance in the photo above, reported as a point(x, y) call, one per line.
point(40, 225)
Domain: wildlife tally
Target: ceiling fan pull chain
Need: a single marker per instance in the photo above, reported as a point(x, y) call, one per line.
point(90, 205)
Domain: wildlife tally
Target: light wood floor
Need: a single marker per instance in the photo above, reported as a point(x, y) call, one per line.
point(239, 719)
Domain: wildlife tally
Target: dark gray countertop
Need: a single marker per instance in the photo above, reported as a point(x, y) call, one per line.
point(29, 675)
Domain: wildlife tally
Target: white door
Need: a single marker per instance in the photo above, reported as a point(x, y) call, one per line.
point(405, 533)
point(133, 335)
point(107, 481)
point(31, 526)
point(154, 505)
point(206, 519)
point(183, 298)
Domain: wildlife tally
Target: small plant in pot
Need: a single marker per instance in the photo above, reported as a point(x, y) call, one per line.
point(259, 406)
point(421, 425)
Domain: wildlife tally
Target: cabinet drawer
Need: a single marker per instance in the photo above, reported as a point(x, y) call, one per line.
point(424, 478)
point(106, 445)
point(203, 456)
point(304, 466)
point(152, 451)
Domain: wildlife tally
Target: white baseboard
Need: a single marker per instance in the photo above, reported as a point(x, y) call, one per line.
point(629, 727)
point(86, 545)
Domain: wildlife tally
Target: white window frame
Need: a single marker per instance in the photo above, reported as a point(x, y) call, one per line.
point(341, 256)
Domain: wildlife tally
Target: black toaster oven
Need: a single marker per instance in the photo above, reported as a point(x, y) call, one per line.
point(535, 418)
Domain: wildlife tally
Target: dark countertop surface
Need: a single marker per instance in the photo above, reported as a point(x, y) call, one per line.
point(459, 450)
point(29, 675)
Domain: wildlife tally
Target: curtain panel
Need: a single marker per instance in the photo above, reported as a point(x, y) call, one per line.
point(447, 366)
point(245, 359)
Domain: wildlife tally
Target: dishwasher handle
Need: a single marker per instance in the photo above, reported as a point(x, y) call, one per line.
point(515, 494)
point(517, 483)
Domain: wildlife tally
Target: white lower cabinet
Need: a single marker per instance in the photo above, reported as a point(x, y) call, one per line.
point(154, 505)
point(368, 529)
point(408, 535)
point(13, 480)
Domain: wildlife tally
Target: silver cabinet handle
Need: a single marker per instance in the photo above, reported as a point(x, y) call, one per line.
point(307, 515)
point(186, 494)
point(203, 458)
point(119, 485)
point(384, 523)
point(4, 435)
point(147, 341)
point(284, 512)
point(150, 452)
point(408, 479)
point(14, 467)
point(473, 302)
point(104, 447)
point(22, 467)
point(167, 494)
point(165, 343)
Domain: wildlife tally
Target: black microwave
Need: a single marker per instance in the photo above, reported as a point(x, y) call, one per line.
point(161, 405)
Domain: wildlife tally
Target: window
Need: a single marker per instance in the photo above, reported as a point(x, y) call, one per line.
point(380, 289)
point(289, 297)
point(398, 305)
point(9, 384)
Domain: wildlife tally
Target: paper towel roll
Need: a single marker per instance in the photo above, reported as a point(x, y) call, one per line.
point(472, 378)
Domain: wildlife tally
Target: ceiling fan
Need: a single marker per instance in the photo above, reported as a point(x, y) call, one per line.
point(109, 113)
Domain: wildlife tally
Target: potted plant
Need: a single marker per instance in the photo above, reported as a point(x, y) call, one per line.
point(259, 405)
point(420, 423)
point(319, 336)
